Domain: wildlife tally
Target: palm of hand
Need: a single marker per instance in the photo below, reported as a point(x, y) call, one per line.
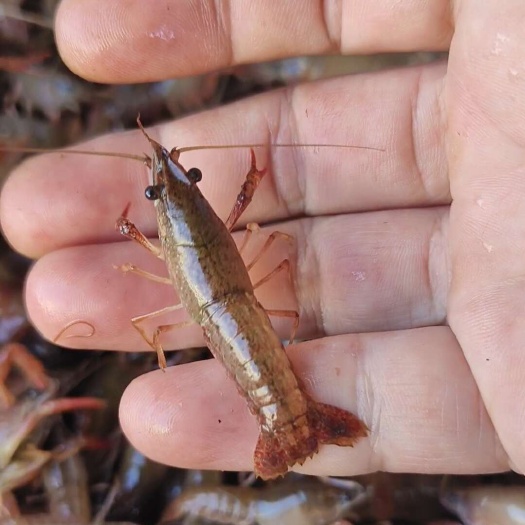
point(383, 257)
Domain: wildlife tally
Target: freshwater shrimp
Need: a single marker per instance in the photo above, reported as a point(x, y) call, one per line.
point(487, 504)
point(23, 426)
point(306, 501)
point(208, 272)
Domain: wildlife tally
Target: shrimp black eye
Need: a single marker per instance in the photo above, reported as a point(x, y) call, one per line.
point(152, 193)
point(194, 174)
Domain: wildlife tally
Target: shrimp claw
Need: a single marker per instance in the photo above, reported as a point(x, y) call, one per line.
point(125, 227)
point(245, 196)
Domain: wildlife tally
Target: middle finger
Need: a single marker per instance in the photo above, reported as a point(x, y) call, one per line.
point(354, 273)
point(75, 200)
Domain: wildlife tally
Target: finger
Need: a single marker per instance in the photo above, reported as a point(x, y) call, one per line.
point(413, 389)
point(487, 132)
point(362, 272)
point(121, 41)
point(76, 200)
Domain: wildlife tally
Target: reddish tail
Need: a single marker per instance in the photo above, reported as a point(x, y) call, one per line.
point(276, 453)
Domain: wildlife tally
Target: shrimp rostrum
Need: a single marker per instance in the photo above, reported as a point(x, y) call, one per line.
point(214, 287)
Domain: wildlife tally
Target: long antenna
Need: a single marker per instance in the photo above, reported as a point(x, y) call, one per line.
point(291, 145)
point(77, 151)
point(145, 158)
point(228, 146)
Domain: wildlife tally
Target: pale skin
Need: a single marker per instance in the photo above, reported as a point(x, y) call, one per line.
point(416, 312)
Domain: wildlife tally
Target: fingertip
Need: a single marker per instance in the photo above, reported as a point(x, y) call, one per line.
point(40, 296)
point(188, 425)
point(17, 221)
point(123, 41)
point(146, 411)
point(85, 42)
point(59, 308)
point(36, 205)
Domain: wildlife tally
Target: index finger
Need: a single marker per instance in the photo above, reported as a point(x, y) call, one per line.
point(51, 202)
point(124, 41)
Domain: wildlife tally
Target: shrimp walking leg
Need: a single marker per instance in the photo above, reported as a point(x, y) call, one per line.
point(284, 265)
point(271, 239)
point(154, 342)
point(287, 313)
point(17, 354)
point(131, 268)
point(125, 227)
point(250, 228)
point(156, 339)
point(253, 227)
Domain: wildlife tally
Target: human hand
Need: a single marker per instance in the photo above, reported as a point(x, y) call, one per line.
point(374, 281)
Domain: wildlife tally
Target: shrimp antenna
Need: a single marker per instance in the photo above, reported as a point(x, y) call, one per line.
point(290, 145)
point(232, 146)
point(77, 152)
point(145, 158)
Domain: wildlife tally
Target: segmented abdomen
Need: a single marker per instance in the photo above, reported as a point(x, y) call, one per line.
point(240, 335)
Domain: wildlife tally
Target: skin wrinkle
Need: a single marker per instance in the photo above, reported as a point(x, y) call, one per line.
point(222, 16)
point(456, 411)
point(311, 260)
point(320, 315)
point(440, 118)
point(295, 202)
point(295, 279)
point(288, 114)
point(475, 105)
point(427, 267)
point(275, 129)
point(443, 124)
point(447, 25)
point(486, 119)
point(517, 141)
point(482, 101)
point(419, 142)
point(484, 415)
point(480, 431)
point(438, 292)
point(443, 407)
point(302, 200)
point(448, 20)
point(413, 133)
point(367, 404)
point(330, 15)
